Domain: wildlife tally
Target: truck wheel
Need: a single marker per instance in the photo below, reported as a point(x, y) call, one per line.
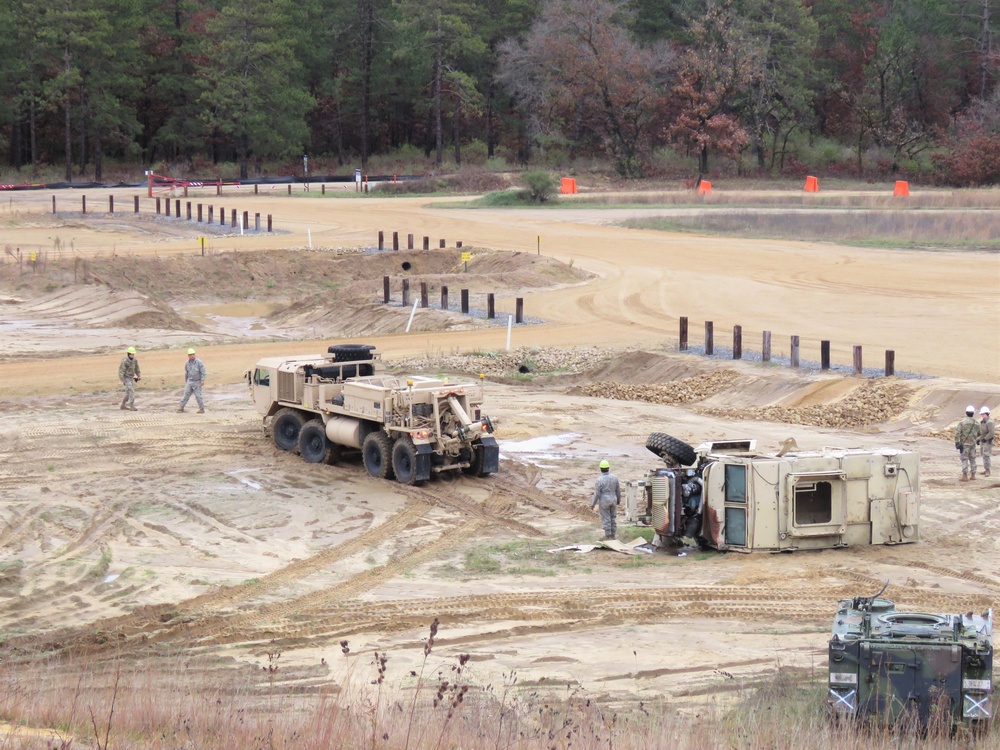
point(377, 454)
point(475, 467)
point(286, 428)
point(671, 449)
point(313, 445)
point(404, 461)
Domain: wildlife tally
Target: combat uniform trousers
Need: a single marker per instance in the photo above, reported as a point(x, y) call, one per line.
point(192, 388)
point(609, 516)
point(987, 455)
point(969, 460)
point(128, 402)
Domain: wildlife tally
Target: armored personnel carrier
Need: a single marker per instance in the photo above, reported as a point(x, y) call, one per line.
point(897, 666)
point(405, 427)
point(731, 496)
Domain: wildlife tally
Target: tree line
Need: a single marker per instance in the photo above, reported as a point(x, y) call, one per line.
point(252, 80)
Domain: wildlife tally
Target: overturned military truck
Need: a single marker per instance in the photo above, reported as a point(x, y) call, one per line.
point(409, 427)
point(910, 668)
point(730, 496)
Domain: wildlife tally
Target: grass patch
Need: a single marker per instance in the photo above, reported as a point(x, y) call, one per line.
point(518, 558)
point(629, 533)
point(100, 569)
point(916, 230)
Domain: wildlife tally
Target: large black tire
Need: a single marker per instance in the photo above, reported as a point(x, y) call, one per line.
point(376, 452)
point(404, 460)
point(286, 427)
point(475, 467)
point(350, 352)
point(313, 445)
point(671, 449)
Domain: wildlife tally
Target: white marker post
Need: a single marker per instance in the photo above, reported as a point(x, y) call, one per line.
point(510, 322)
point(412, 313)
point(310, 231)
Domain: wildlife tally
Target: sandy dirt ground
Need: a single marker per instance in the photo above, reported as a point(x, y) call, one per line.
point(192, 531)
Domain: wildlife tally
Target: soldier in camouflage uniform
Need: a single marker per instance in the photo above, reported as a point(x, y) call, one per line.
point(987, 430)
point(128, 373)
point(194, 379)
point(966, 439)
point(607, 493)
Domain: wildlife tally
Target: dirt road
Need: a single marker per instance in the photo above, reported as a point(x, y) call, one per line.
point(874, 298)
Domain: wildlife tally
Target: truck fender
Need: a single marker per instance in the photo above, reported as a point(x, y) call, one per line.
point(423, 465)
point(491, 454)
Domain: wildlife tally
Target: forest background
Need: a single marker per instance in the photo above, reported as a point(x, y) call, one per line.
point(646, 88)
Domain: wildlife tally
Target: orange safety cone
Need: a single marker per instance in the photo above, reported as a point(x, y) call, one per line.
point(812, 185)
point(902, 188)
point(704, 187)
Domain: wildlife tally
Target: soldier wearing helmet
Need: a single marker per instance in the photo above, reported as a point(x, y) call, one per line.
point(966, 438)
point(128, 373)
point(987, 431)
point(194, 379)
point(607, 494)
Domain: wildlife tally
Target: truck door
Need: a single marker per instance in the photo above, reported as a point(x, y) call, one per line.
point(816, 505)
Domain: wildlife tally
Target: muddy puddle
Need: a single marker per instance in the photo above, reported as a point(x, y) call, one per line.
point(235, 318)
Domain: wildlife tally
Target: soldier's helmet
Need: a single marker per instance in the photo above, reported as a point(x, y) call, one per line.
point(970, 409)
point(985, 410)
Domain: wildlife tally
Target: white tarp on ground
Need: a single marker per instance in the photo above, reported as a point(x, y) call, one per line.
point(636, 547)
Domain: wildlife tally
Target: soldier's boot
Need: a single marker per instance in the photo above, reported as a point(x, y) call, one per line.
point(972, 476)
point(132, 408)
point(123, 407)
point(965, 477)
point(986, 473)
point(181, 409)
point(201, 411)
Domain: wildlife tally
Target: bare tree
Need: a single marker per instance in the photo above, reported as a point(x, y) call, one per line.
point(580, 73)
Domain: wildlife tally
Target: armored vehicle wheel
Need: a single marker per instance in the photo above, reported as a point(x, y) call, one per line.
point(377, 454)
point(286, 428)
point(404, 461)
point(313, 445)
point(671, 449)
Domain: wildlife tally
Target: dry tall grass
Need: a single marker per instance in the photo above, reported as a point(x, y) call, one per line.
point(175, 702)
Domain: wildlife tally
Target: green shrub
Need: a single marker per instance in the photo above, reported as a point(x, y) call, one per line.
point(474, 153)
point(496, 164)
point(541, 186)
point(502, 198)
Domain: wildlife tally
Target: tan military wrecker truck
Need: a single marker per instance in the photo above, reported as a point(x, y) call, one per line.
point(409, 428)
point(731, 496)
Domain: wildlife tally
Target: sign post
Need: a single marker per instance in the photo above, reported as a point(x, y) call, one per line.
point(466, 257)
